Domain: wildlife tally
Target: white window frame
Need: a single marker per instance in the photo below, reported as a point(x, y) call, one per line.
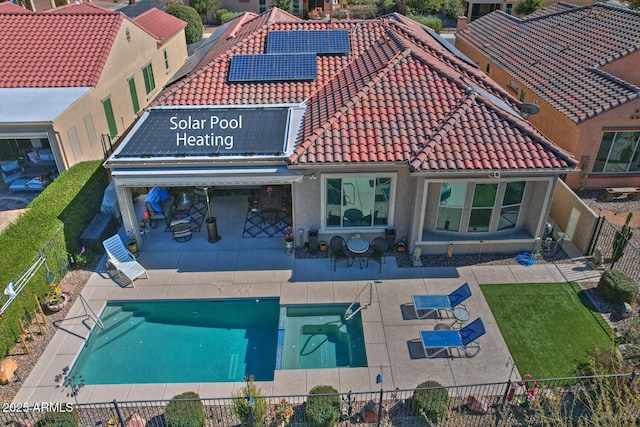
point(392, 200)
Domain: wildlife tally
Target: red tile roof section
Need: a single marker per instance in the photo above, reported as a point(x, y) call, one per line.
point(558, 53)
point(65, 48)
point(7, 6)
point(159, 24)
point(399, 96)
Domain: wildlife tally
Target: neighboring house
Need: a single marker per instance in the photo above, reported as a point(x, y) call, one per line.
point(478, 8)
point(74, 78)
point(372, 125)
point(581, 64)
point(298, 7)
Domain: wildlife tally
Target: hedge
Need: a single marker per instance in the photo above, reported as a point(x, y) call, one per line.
point(53, 223)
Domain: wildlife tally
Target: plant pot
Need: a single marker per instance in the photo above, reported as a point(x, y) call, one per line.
point(323, 246)
point(289, 247)
point(62, 303)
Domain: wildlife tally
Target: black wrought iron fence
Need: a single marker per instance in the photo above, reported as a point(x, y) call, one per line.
point(602, 247)
point(558, 401)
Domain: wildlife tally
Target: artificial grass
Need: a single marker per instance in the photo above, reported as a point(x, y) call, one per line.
point(550, 328)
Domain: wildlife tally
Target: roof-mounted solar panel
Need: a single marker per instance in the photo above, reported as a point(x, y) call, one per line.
point(308, 41)
point(273, 67)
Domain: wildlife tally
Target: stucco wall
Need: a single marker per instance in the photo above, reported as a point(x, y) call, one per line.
point(626, 68)
point(573, 216)
point(125, 61)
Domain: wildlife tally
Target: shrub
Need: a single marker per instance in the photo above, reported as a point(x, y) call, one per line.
point(185, 413)
point(526, 7)
point(60, 418)
point(616, 287)
point(429, 21)
point(282, 4)
point(221, 12)
point(57, 218)
point(323, 406)
point(194, 29)
point(454, 8)
point(432, 403)
point(229, 16)
point(241, 405)
point(388, 6)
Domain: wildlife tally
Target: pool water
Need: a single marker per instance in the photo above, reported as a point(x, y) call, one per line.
point(320, 337)
point(183, 341)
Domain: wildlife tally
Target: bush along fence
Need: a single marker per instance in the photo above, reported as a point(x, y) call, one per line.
point(596, 400)
point(51, 227)
point(614, 248)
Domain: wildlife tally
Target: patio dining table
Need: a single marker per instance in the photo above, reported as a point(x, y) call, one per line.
point(270, 202)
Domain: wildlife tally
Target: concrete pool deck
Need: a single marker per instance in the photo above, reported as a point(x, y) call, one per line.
point(260, 268)
point(238, 267)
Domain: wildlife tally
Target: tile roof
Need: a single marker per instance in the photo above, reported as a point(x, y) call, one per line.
point(159, 24)
point(64, 48)
point(7, 6)
point(558, 53)
point(399, 97)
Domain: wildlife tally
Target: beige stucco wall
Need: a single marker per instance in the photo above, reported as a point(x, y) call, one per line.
point(126, 60)
point(626, 68)
point(572, 216)
point(307, 196)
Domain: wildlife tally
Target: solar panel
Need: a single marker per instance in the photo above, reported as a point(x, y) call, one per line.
point(273, 67)
point(303, 41)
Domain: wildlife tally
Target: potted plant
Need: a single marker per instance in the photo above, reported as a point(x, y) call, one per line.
point(288, 240)
point(323, 246)
point(132, 244)
point(56, 300)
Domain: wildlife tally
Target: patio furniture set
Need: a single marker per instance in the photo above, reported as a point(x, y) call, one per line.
point(358, 248)
point(30, 175)
point(182, 214)
point(444, 338)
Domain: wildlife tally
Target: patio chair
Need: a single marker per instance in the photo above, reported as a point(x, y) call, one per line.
point(465, 339)
point(181, 229)
point(353, 216)
point(425, 305)
point(339, 250)
point(122, 260)
point(379, 245)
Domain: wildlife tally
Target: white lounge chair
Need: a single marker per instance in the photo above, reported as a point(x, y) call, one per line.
point(122, 260)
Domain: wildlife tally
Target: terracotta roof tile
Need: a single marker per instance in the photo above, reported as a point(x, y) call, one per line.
point(558, 53)
point(398, 96)
point(63, 48)
point(159, 24)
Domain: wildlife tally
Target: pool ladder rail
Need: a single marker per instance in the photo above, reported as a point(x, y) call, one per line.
point(90, 313)
point(350, 312)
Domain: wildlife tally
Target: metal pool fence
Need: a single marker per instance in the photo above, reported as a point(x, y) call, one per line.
point(522, 403)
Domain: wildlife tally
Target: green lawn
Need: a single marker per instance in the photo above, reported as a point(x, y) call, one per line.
point(548, 327)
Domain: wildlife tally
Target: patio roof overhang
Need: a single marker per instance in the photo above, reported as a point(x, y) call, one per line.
point(205, 177)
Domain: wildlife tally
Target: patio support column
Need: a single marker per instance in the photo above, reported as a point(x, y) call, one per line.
point(128, 211)
point(418, 212)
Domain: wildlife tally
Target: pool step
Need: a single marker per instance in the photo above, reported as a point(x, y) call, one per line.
point(116, 323)
point(108, 335)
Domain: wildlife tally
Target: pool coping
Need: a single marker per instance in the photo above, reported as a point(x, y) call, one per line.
point(389, 329)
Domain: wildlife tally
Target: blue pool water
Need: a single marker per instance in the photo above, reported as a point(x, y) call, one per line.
point(321, 337)
point(183, 341)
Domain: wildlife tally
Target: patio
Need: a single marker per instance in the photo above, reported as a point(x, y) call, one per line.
point(238, 267)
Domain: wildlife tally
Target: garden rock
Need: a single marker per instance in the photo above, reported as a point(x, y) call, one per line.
point(135, 420)
point(7, 370)
point(477, 404)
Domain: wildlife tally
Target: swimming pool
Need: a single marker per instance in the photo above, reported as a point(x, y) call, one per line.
point(181, 341)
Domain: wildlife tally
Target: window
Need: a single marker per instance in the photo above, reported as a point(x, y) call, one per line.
point(488, 68)
point(618, 152)
point(134, 95)
point(149, 82)
point(111, 121)
point(523, 94)
point(452, 197)
point(296, 7)
point(263, 6)
point(357, 202)
point(166, 59)
point(511, 205)
point(484, 198)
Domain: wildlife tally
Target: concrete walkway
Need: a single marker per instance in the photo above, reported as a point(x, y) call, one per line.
point(241, 268)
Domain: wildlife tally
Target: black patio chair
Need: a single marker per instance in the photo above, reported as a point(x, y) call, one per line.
point(354, 216)
point(379, 246)
point(339, 251)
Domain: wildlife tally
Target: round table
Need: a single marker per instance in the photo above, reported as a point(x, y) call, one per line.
point(358, 246)
point(461, 315)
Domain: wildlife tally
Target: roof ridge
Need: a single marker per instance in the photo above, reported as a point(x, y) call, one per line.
point(447, 126)
point(376, 76)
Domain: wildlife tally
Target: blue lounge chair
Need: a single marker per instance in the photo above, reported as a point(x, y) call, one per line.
point(436, 342)
point(424, 305)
